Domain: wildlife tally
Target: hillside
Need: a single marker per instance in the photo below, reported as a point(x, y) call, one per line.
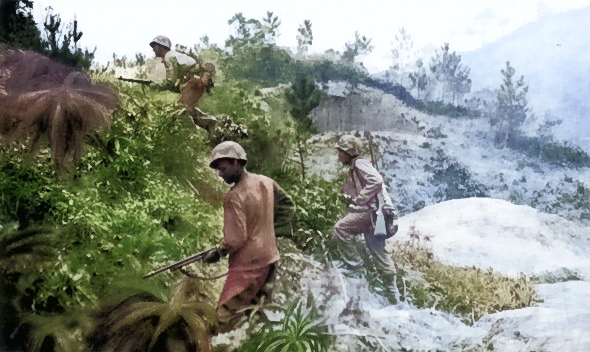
point(436, 158)
point(491, 235)
point(518, 216)
point(552, 54)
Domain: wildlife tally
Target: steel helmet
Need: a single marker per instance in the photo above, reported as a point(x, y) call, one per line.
point(227, 149)
point(351, 145)
point(162, 40)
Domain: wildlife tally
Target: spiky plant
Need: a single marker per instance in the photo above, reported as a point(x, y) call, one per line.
point(143, 322)
point(55, 332)
point(296, 332)
point(22, 248)
point(21, 252)
point(39, 97)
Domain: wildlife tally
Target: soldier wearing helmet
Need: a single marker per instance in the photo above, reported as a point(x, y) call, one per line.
point(191, 79)
point(161, 46)
point(363, 187)
point(255, 210)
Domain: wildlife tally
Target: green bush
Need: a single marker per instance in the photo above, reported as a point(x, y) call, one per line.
point(132, 203)
point(27, 186)
point(266, 65)
point(319, 205)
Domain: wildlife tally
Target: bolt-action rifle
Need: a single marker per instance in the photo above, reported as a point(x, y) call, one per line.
point(179, 264)
point(134, 80)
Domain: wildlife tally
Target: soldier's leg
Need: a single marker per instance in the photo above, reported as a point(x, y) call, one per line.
point(384, 265)
point(345, 232)
point(382, 258)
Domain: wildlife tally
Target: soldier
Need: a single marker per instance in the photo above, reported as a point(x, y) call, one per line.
point(254, 209)
point(363, 186)
point(191, 78)
point(161, 46)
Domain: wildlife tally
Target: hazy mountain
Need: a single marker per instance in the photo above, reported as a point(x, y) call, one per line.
point(553, 54)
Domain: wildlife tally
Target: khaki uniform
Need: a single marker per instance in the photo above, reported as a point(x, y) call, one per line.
point(252, 208)
point(363, 186)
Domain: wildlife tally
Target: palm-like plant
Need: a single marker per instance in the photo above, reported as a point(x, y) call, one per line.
point(33, 243)
point(296, 332)
point(144, 323)
point(39, 96)
point(21, 252)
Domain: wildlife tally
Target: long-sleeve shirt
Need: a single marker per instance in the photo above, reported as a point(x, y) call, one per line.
point(249, 221)
point(364, 184)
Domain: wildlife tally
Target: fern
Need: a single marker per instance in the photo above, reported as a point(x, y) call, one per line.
point(297, 331)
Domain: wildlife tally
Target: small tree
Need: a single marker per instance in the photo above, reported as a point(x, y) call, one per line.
point(252, 32)
point(303, 96)
point(402, 54)
point(447, 69)
point(419, 78)
point(512, 107)
point(304, 38)
point(360, 46)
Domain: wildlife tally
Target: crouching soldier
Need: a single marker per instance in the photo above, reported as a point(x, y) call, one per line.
point(363, 187)
point(252, 209)
point(191, 78)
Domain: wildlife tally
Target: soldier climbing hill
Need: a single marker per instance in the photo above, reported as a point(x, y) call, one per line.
point(190, 77)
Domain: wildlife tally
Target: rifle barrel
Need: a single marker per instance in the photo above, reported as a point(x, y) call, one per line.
point(179, 264)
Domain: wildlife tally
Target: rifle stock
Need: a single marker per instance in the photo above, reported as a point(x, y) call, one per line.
point(179, 264)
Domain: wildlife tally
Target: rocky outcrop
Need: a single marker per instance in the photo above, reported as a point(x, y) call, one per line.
point(365, 109)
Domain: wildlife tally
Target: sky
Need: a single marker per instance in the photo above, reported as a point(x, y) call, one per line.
point(127, 27)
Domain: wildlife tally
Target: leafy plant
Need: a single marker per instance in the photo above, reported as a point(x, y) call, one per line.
point(297, 331)
point(319, 203)
point(63, 106)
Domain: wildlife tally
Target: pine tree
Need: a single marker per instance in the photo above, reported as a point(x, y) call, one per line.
point(512, 107)
point(360, 46)
point(402, 54)
point(303, 96)
point(304, 38)
point(447, 69)
point(17, 27)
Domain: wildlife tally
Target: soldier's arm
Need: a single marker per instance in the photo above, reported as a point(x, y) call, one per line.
point(373, 186)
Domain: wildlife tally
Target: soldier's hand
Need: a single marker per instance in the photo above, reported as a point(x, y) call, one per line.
point(216, 254)
point(212, 257)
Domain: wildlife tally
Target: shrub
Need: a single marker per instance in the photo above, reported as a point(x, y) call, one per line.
point(453, 180)
point(319, 205)
point(556, 153)
point(28, 189)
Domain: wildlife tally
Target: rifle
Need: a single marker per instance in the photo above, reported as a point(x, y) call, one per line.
point(179, 264)
point(133, 80)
